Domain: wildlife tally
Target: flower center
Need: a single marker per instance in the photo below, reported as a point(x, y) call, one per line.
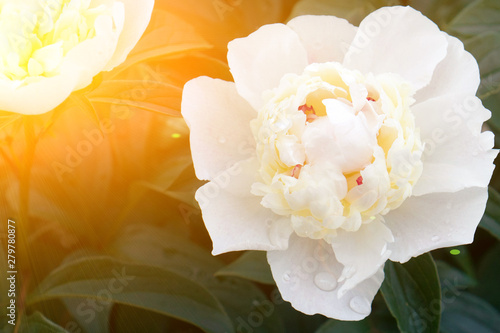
point(337, 149)
point(35, 36)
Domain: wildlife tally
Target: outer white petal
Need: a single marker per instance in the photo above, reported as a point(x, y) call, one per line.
point(39, 97)
point(79, 67)
point(259, 61)
point(398, 40)
point(219, 120)
point(362, 252)
point(137, 16)
point(91, 56)
point(437, 220)
point(458, 73)
point(457, 155)
point(326, 38)
point(234, 217)
point(306, 263)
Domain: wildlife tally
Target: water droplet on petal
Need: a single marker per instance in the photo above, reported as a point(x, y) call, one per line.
point(222, 139)
point(325, 281)
point(435, 238)
point(475, 153)
point(360, 305)
point(287, 277)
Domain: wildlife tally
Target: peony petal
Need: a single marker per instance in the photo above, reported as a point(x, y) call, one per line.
point(398, 40)
point(306, 275)
point(326, 38)
point(38, 97)
point(137, 16)
point(219, 120)
point(90, 57)
point(458, 73)
point(457, 155)
point(79, 67)
point(437, 220)
point(362, 252)
point(234, 217)
point(259, 61)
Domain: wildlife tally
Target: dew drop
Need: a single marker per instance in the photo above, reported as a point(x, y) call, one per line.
point(325, 281)
point(222, 139)
point(360, 305)
point(435, 238)
point(287, 277)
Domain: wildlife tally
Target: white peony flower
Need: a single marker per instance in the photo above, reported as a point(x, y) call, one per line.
point(50, 48)
point(338, 148)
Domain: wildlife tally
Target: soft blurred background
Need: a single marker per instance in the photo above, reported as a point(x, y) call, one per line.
point(110, 239)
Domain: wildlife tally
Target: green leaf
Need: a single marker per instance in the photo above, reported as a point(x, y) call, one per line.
point(464, 260)
point(36, 323)
point(107, 280)
point(155, 246)
point(166, 35)
point(440, 11)
point(492, 103)
point(82, 102)
point(99, 324)
point(149, 93)
point(488, 277)
point(491, 218)
point(479, 17)
point(452, 279)
point(295, 321)
point(334, 326)
point(354, 11)
point(252, 265)
point(247, 305)
point(491, 225)
point(4, 284)
point(486, 49)
point(413, 294)
point(8, 119)
point(468, 313)
point(127, 319)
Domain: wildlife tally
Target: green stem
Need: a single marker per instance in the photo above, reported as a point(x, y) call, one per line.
point(25, 179)
point(23, 260)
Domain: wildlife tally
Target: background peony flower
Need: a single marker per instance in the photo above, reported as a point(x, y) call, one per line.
point(52, 48)
point(338, 148)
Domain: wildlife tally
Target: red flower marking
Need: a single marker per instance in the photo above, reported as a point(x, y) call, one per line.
point(296, 171)
point(309, 112)
point(370, 99)
point(359, 180)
